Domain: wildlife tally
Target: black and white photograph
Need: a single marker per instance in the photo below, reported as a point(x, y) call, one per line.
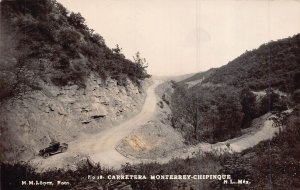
point(150, 94)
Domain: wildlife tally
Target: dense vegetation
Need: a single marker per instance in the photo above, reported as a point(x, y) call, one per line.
point(271, 164)
point(274, 64)
point(202, 114)
point(224, 102)
point(42, 40)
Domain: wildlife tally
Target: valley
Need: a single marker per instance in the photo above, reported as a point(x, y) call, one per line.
point(110, 149)
point(60, 82)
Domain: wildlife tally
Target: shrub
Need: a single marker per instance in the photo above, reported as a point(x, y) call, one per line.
point(43, 30)
point(206, 113)
point(76, 20)
point(67, 37)
point(296, 96)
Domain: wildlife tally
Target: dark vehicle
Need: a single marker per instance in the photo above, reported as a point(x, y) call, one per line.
point(54, 148)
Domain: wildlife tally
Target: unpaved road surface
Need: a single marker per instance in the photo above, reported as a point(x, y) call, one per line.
point(101, 147)
point(262, 129)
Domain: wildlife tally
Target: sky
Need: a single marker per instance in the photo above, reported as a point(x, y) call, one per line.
point(187, 36)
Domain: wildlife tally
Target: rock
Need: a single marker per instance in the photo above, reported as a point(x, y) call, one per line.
point(41, 114)
point(105, 103)
point(67, 99)
point(58, 108)
point(97, 116)
point(85, 109)
point(51, 91)
point(85, 121)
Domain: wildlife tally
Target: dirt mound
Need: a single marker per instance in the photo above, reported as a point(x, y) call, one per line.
point(151, 141)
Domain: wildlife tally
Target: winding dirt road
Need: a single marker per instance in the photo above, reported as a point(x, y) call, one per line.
point(101, 147)
point(104, 151)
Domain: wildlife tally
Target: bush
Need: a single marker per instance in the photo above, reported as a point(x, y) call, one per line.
point(248, 102)
point(6, 87)
point(68, 37)
point(43, 30)
point(62, 64)
point(296, 96)
point(76, 20)
point(274, 64)
point(206, 113)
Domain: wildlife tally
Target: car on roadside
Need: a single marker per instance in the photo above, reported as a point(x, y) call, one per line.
point(53, 148)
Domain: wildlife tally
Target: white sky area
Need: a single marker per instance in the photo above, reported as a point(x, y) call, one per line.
point(187, 36)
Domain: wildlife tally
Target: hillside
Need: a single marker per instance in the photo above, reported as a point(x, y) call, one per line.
point(228, 98)
point(199, 76)
point(59, 81)
point(58, 78)
point(274, 64)
point(265, 166)
point(41, 40)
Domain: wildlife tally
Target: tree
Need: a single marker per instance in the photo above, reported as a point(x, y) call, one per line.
point(61, 8)
point(117, 50)
point(296, 96)
point(141, 65)
point(248, 100)
point(68, 37)
point(96, 38)
point(36, 8)
point(141, 62)
point(297, 81)
point(206, 113)
point(76, 20)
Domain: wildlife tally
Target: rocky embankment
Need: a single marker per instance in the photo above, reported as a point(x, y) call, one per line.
point(30, 123)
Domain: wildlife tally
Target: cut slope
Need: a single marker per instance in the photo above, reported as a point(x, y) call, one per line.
point(58, 79)
point(101, 147)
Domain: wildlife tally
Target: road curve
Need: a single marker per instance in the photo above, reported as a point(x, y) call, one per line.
point(101, 147)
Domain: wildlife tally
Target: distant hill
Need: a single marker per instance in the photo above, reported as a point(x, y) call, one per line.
point(215, 105)
point(199, 76)
point(42, 40)
point(274, 64)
